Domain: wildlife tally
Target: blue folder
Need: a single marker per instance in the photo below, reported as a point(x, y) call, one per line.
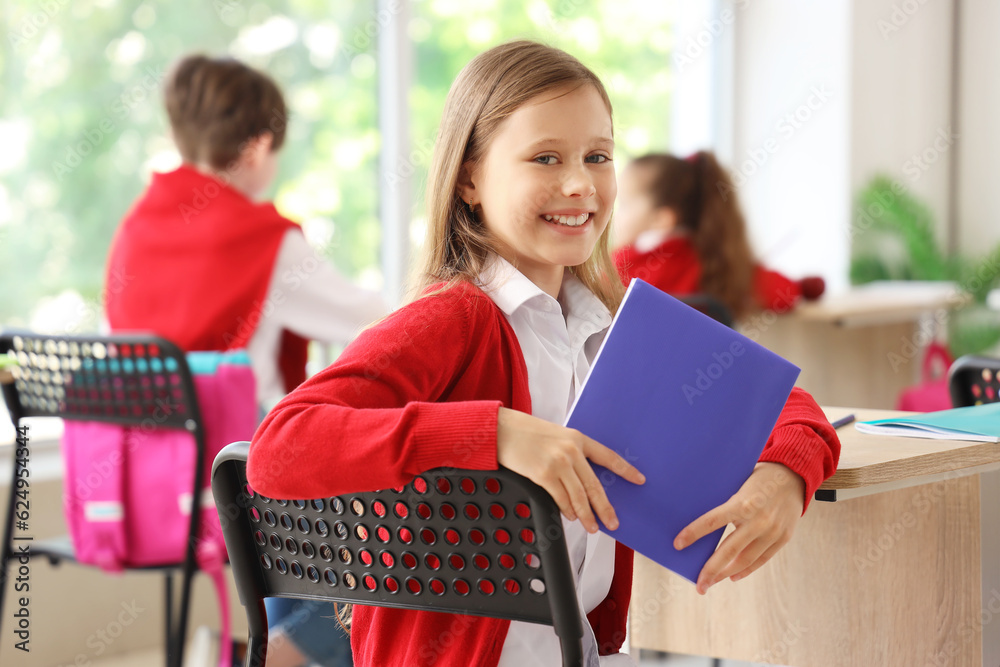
point(689, 402)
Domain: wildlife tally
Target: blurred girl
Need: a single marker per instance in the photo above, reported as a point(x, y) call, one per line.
point(682, 231)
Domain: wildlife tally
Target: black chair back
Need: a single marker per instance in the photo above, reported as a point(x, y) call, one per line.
point(129, 380)
point(487, 543)
point(134, 380)
point(710, 306)
point(974, 380)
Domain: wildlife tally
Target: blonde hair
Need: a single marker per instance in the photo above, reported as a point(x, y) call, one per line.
point(484, 94)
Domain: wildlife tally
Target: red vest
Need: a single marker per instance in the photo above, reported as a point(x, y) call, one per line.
point(192, 262)
point(674, 267)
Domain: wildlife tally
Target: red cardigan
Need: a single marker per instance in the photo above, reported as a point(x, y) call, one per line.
point(674, 267)
point(192, 261)
point(422, 389)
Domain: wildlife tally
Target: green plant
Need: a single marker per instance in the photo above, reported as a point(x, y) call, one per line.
point(893, 238)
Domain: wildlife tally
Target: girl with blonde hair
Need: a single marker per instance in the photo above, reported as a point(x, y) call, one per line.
point(515, 296)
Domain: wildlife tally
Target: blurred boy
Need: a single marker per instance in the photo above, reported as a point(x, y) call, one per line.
point(199, 262)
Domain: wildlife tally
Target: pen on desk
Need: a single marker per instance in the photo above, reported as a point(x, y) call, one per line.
point(843, 421)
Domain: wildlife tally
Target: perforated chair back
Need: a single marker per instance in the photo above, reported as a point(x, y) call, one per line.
point(127, 380)
point(487, 543)
point(974, 380)
point(132, 380)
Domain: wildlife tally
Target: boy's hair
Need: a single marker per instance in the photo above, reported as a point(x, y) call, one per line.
point(217, 105)
point(484, 94)
point(703, 197)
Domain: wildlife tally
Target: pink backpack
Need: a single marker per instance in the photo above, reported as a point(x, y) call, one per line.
point(932, 392)
point(127, 490)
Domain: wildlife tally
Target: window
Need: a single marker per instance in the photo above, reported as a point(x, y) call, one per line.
point(628, 45)
point(83, 125)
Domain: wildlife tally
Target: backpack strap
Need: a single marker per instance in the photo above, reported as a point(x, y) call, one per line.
point(211, 558)
point(226, 394)
point(936, 352)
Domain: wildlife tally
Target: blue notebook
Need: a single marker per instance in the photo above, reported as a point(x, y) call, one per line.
point(689, 402)
point(978, 423)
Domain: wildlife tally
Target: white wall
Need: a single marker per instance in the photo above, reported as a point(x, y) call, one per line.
point(790, 147)
point(979, 149)
point(703, 33)
point(887, 66)
point(901, 76)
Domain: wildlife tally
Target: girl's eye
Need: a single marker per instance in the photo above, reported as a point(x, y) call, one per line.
point(546, 159)
point(597, 159)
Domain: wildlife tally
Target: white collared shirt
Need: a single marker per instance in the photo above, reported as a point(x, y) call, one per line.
point(308, 296)
point(559, 339)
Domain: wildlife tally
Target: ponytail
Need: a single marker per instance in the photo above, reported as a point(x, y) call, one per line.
point(700, 191)
point(718, 233)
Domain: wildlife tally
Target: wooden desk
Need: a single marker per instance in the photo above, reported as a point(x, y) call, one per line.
point(903, 569)
point(861, 347)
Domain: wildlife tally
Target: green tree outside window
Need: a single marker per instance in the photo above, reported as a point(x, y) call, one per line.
point(82, 124)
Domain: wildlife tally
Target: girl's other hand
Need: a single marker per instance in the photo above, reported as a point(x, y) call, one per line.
point(764, 512)
point(555, 458)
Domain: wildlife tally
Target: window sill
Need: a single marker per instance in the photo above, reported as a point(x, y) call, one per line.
point(44, 461)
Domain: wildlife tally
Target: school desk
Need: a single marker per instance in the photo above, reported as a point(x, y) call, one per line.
point(900, 566)
point(861, 347)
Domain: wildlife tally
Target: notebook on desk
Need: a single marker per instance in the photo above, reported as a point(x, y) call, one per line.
point(689, 402)
point(977, 423)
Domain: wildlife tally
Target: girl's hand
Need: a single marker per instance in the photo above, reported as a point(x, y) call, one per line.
point(555, 458)
point(764, 512)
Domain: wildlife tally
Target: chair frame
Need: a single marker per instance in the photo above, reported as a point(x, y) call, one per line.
point(47, 381)
point(710, 306)
point(964, 371)
point(260, 568)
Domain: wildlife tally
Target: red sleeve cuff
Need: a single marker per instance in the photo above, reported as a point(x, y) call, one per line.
point(456, 435)
point(804, 452)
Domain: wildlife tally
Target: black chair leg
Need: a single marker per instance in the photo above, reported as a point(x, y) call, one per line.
point(5, 553)
point(190, 566)
point(180, 631)
point(8, 530)
point(168, 598)
point(256, 634)
point(572, 651)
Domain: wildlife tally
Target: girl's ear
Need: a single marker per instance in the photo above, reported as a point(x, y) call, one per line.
point(466, 181)
point(664, 218)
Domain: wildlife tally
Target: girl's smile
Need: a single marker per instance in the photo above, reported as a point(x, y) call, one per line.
point(568, 219)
